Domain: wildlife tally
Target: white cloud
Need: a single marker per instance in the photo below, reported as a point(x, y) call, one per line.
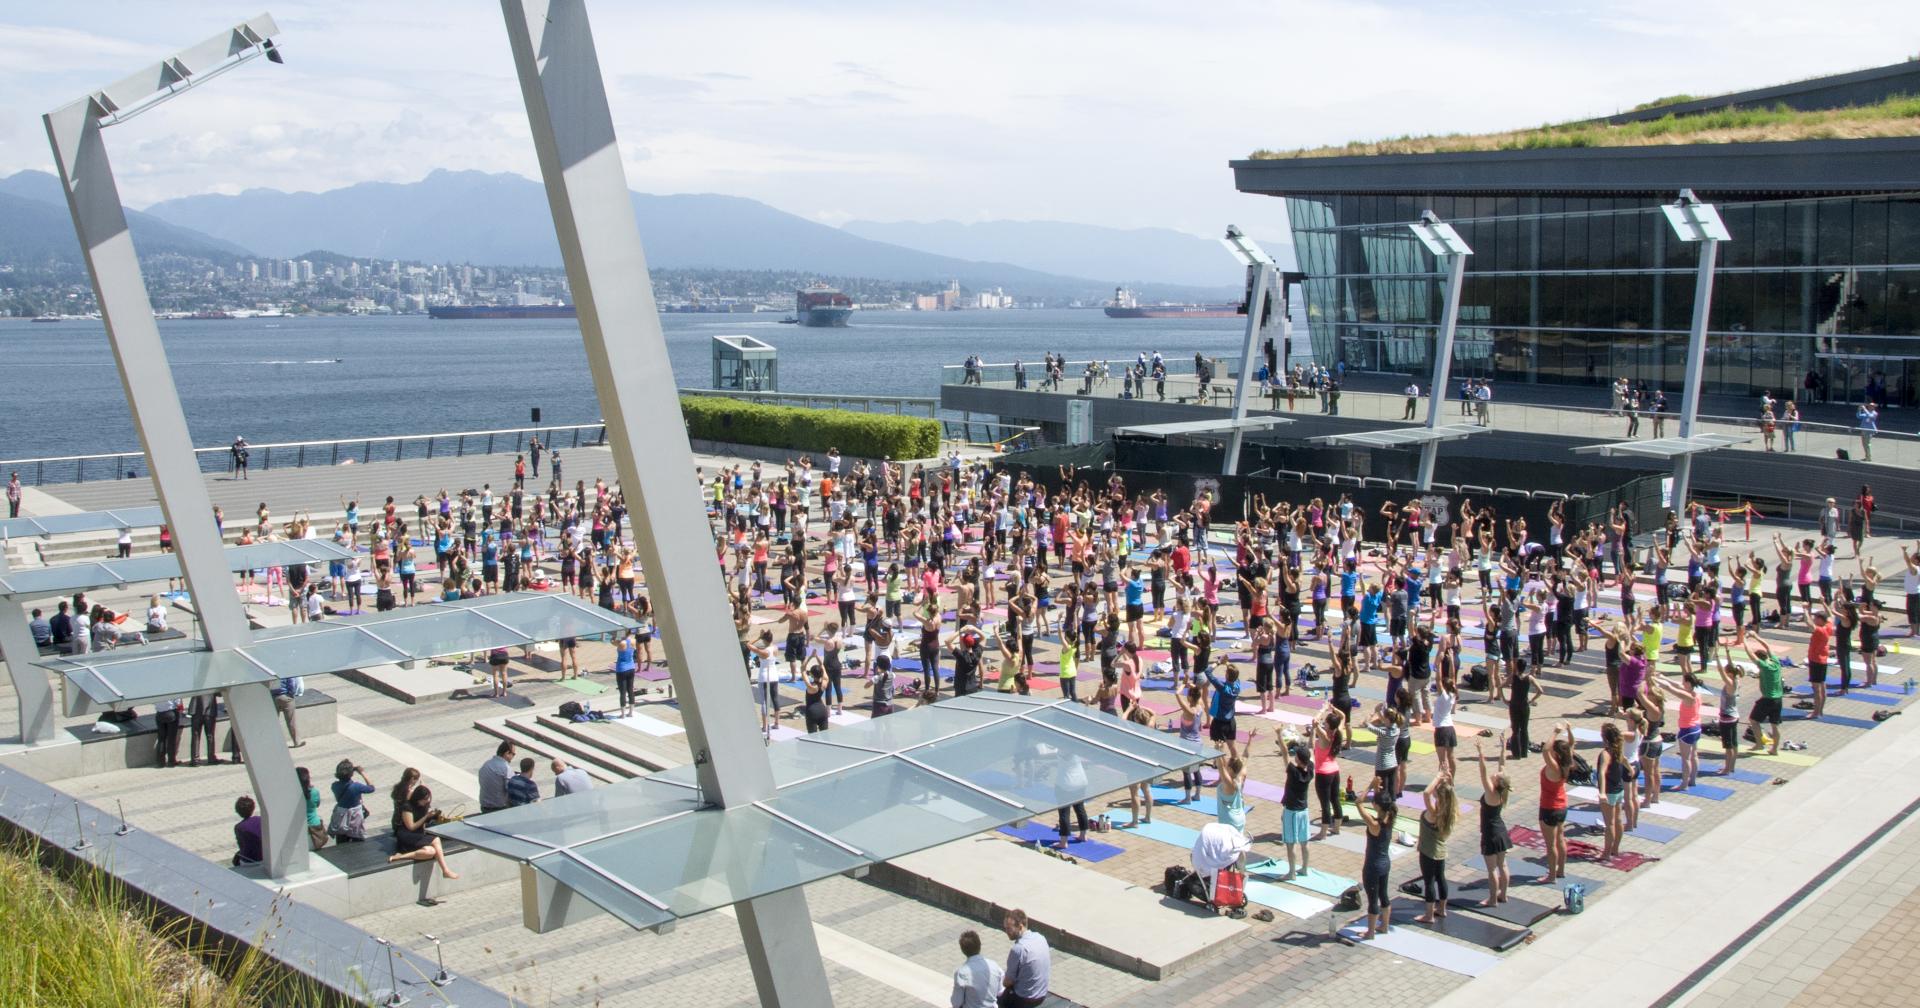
point(1123, 112)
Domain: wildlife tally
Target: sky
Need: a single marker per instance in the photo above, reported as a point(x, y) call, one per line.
point(1121, 113)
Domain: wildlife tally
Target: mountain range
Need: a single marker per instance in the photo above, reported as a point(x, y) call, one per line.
point(1135, 257)
point(36, 229)
point(502, 219)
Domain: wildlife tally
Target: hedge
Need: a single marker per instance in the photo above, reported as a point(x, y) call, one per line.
point(871, 435)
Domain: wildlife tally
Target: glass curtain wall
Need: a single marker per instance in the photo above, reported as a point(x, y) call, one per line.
point(1579, 290)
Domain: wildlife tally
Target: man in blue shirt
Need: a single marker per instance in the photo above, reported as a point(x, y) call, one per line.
point(41, 629)
point(521, 787)
point(1029, 964)
point(1370, 621)
point(1136, 608)
point(1222, 707)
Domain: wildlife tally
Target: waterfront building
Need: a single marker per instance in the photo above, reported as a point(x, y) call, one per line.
point(1576, 278)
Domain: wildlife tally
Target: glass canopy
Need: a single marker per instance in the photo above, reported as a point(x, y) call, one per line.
point(1402, 436)
point(1222, 425)
point(42, 581)
point(85, 521)
point(429, 631)
point(1666, 448)
point(648, 851)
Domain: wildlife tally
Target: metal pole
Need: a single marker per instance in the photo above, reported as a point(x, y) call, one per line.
point(572, 126)
point(1442, 365)
point(31, 690)
point(101, 226)
point(1256, 308)
point(1696, 367)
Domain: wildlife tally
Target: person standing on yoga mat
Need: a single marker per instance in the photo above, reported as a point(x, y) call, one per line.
point(1378, 813)
point(1293, 806)
point(1687, 735)
point(1436, 825)
point(1326, 770)
point(1773, 690)
point(1222, 707)
point(1557, 757)
point(1494, 841)
point(1523, 690)
point(1611, 772)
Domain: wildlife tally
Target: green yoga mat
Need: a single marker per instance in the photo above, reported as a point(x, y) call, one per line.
point(587, 686)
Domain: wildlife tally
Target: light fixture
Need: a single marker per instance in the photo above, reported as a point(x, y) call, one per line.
point(118, 102)
point(1693, 220)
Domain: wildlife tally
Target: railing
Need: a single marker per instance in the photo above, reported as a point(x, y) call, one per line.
point(992, 434)
point(897, 405)
point(296, 454)
point(1108, 380)
point(1890, 448)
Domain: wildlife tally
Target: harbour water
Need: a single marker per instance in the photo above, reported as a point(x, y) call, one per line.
point(313, 378)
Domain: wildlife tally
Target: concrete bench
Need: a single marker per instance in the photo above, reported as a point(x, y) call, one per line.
point(353, 879)
point(91, 752)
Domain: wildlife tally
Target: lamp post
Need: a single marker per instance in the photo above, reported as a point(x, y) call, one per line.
point(79, 152)
point(1439, 238)
point(1694, 221)
point(1260, 276)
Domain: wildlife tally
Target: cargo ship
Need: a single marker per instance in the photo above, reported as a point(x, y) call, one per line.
point(820, 305)
point(1125, 305)
point(563, 311)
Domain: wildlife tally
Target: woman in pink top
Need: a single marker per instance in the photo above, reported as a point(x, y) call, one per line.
point(1687, 737)
point(1129, 679)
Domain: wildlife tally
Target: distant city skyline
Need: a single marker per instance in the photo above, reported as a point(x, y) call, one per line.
point(1121, 113)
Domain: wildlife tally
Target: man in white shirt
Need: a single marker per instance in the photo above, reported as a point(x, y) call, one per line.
point(1481, 397)
point(976, 984)
point(1413, 398)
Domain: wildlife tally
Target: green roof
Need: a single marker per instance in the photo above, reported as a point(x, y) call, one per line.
point(1896, 117)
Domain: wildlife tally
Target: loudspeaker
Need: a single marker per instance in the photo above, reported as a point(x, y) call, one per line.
point(1841, 454)
point(536, 414)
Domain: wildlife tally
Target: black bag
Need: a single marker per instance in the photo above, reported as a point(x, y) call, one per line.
point(1580, 774)
point(1476, 679)
point(571, 710)
point(1349, 900)
point(1173, 878)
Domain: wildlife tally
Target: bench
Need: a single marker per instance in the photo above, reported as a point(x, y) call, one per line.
point(353, 879)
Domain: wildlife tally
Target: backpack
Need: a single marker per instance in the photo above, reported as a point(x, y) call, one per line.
point(1575, 896)
point(1349, 900)
point(1476, 679)
point(1580, 774)
point(571, 710)
point(1172, 879)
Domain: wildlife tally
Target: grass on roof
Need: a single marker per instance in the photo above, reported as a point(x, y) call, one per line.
point(1897, 116)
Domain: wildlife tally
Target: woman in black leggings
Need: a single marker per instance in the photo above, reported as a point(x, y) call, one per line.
point(1377, 865)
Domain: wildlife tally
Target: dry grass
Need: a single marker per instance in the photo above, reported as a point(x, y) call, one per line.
point(81, 942)
point(1895, 117)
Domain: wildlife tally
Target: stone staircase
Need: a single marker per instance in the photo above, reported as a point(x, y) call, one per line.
point(607, 752)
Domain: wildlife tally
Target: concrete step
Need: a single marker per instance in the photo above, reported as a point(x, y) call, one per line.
point(532, 741)
point(622, 744)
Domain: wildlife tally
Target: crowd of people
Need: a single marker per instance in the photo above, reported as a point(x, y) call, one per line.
point(954, 576)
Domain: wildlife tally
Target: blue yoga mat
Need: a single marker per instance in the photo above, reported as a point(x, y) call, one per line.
point(1206, 805)
point(1864, 696)
point(1713, 770)
point(1670, 784)
point(1086, 850)
point(1835, 719)
point(1172, 834)
point(1645, 831)
point(1324, 883)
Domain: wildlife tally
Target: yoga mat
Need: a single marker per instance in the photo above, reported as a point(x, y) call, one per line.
point(1560, 691)
point(1524, 871)
point(1086, 850)
point(1645, 831)
point(1324, 883)
point(1868, 696)
point(1473, 930)
point(586, 686)
point(1172, 834)
point(1206, 805)
point(654, 674)
point(1410, 944)
point(1355, 840)
point(1831, 718)
point(1513, 911)
point(1287, 717)
point(1712, 769)
point(1670, 783)
point(651, 726)
point(1287, 901)
point(1789, 758)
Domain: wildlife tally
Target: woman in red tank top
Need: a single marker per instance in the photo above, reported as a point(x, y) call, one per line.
point(1557, 757)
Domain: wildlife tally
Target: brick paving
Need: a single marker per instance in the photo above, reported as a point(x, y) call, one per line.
point(1288, 961)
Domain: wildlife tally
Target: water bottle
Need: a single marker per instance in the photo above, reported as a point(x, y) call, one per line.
point(1910, 685)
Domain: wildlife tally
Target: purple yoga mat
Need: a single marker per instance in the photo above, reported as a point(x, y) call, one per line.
point(1261, 789)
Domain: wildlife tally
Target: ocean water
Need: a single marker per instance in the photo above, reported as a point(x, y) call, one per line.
point(309, 379)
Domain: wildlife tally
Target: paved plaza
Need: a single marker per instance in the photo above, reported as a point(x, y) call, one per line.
point(1799, 945)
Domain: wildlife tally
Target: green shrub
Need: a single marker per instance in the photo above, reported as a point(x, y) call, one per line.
point(873, 435)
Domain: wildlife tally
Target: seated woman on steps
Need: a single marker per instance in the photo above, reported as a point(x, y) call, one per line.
point(413, 842)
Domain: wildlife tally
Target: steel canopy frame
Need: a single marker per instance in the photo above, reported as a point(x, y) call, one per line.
point(573, 135)
point(79, 153)
point(1261, 271)
point(1694, 222)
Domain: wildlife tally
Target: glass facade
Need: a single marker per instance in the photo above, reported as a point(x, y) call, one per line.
point(1582, 290)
